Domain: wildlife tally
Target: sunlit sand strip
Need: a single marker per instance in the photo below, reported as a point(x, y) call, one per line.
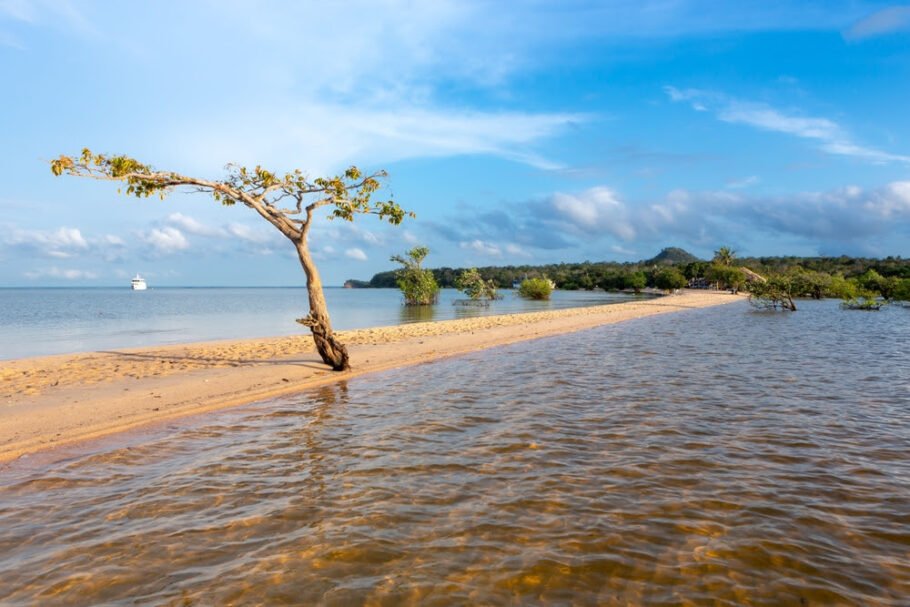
point(58, 400)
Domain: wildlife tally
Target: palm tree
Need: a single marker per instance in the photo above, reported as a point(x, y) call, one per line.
point(724, 256)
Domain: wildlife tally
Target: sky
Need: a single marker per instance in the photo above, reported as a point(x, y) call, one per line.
point(525, 132)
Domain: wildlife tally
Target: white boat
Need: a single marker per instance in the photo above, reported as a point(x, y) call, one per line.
point(138, 284)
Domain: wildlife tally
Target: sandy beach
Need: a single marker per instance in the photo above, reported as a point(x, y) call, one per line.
point(53, 401)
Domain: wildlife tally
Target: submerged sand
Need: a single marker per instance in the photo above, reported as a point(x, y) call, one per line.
point(52, 401)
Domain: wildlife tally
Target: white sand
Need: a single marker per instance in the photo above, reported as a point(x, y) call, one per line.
point(59, 400)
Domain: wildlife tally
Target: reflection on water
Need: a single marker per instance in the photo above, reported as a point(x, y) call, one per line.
point(711, 457)
point(409, 314)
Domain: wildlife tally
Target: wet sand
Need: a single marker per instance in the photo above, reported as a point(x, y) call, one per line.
point(49, 402)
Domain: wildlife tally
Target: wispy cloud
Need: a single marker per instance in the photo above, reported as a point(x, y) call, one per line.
point(324, 138)
point(482, 247)
point(61, 273)
point(745, 182)
point(830, 136)
point(886, 21)
point(61, 14)
point(19, 10)
point(356, 254)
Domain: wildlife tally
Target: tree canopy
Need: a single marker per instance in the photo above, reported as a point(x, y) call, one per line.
point(724, 256)
point(268, 193)
point(287, 201)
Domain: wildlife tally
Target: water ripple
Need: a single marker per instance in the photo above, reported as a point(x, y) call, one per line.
point(713, 457)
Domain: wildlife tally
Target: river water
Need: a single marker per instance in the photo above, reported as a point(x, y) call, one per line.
point(38, 322)
point(710, 457)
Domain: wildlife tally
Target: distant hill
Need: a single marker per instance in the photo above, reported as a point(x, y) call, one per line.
point(672, 256)
point(353, 283)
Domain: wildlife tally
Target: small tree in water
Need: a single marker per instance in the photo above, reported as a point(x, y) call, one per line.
point(775, 293)
point(266, 193)
point(535, 288)
point(417, 285)
point(472, 284)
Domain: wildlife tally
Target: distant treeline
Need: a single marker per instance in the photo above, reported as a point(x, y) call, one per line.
point(634, 275)
point(848, 267)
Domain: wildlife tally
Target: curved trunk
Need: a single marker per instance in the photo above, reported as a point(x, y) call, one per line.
point(790, 303)
point(333, 352)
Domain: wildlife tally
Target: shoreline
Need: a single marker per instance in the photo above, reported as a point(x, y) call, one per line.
point(56, 401)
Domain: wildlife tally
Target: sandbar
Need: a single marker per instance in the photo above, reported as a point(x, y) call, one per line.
point(54, 401)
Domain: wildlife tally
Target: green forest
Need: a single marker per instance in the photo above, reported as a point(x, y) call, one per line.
point(816, 277)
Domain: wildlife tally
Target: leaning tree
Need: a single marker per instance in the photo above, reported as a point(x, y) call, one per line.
point(287, 201)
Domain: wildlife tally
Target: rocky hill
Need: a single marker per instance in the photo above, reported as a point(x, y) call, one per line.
point(672, 256)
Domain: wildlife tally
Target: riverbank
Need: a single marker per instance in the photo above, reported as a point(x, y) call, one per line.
point(53, 401)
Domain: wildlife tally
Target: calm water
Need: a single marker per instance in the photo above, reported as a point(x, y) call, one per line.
point(36, 322)
point(711, 457)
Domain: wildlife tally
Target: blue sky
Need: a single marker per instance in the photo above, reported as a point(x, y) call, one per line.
point(523, 132)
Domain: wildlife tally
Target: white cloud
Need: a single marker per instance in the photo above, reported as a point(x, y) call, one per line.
point(619, 250)
point(846, 219)
point(484, 248)
point(324, 253)
point(193, 226)
point(165, 240)
point(517, 251)
point(825, 219)
point(265, 237)
point(61, 243)
point(677, 95)
point(356, 254)
point(55, 272)
point(347, 231)
point(886, 21)
point(595, 210)
point(831, 137)
point(891, 201)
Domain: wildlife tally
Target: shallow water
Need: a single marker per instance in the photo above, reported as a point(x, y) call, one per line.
point(39, 322)
point(711, 457)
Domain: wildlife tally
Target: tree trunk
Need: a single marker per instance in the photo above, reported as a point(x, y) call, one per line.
point(332, 351)
point(790, 303)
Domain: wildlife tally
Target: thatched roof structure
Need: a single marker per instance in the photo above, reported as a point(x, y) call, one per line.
point(753, 276)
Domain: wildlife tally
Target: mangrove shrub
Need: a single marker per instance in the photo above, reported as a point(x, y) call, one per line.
point(472, 284)
point(535, 288)
point(418, 286)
